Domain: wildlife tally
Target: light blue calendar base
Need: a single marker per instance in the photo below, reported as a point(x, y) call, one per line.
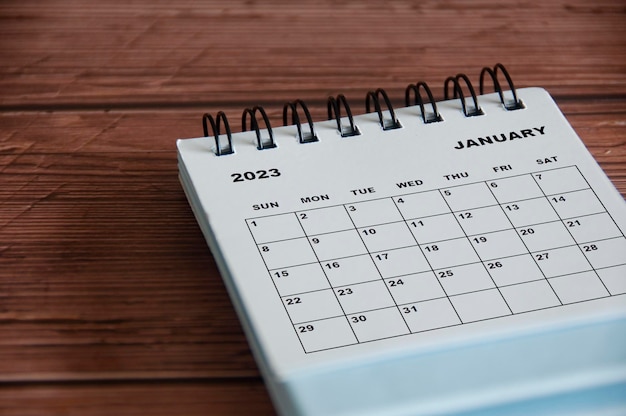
point(578, 371)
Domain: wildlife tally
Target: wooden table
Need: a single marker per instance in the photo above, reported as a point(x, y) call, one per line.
point(110, 301)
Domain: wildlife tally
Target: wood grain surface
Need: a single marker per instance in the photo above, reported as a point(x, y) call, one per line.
point(110, 301)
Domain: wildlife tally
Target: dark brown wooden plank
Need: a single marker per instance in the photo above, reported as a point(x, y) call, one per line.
point(154, 131)
point(159, 398)
point(55, 54)
point(105, 270)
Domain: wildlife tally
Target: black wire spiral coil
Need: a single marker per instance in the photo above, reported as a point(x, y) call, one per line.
point(452, 90)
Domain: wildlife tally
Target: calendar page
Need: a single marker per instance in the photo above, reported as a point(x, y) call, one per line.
point(412, 240)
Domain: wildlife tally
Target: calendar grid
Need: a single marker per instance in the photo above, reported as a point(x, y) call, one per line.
point(421, 261)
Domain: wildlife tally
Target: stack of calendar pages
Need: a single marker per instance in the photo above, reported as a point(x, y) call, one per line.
point(474, 265)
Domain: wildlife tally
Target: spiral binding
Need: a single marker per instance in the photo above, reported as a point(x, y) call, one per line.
point(515, 104)
point(458, 92)
point(386, 124)
point(334, 110)
point(295, 119)
point(262, 144)
point(215, 126)
point(415, 88)
point(452, 90)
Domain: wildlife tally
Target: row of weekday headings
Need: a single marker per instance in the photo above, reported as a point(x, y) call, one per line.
point(375, 99)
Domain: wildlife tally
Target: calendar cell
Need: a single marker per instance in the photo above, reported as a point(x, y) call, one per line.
point(378, 211)
point(561, 261)
point(464, 279)
point(515, 188)
point(401, 261)
point(545, 236)
point(528, 212)
point(482, 220)
point(530, 296)
point(312, 306)
point(298, 279)
point(578, 287)
point(386, 236)
point(435, 228)
point(274, 228)
point(605, 253)
point(324, 220)
point(422, 204)
point(497, 245)
point(287, 253)
point(350, 270)
point(592, 227)
point(576, 204)
point(464, 197)
point(415, 287)
point(513, 270)
point(430, 314)
point(325, 334)
point(614, 279)
point(364, 297)
point(477, 306)
point(337, 245)
point(560, 180)
point(450, 253)
point(378, 324)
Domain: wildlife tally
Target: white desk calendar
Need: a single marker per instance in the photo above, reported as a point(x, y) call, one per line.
point(460, 257)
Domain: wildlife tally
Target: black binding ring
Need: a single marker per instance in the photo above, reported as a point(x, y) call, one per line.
point(254, 125)
point(295, 119)
point(436, 117)
point(334, 111)
point(386, 124)
point(215, 126)
point(516, 103)
point(458, 92)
